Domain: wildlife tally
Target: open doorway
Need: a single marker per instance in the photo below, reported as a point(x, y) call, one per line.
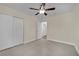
point(42, 30)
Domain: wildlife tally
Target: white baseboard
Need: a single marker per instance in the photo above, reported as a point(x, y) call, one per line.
point(11, 46)
point(29, 41)
point(64, 42)
point(76, 49)
point(68, 43)
point(15, 45)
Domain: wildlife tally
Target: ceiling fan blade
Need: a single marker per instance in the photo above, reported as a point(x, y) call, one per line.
point(43, 4)
point(50, 9)
point(33, 9)
point(45, 14)
point(37, 13)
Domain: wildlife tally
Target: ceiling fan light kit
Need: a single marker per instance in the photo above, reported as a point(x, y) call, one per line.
point(42, 9)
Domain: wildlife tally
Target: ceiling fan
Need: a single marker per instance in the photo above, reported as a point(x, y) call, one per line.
point(42, 9)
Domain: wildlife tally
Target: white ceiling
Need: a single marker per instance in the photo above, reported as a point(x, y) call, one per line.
point(24, 7)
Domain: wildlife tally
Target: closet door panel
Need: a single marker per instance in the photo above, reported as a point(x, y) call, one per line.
point(5, 31)
point(17, 30)
point(11, 31)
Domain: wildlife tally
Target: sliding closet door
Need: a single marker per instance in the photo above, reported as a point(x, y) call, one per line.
point(10, 31)
point(17, 30)
point(5, 31)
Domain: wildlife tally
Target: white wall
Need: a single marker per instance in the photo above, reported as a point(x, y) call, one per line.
point(61, 27)
point(29, 29)
point(64, 27)
point(29, 22)
point(76, 18)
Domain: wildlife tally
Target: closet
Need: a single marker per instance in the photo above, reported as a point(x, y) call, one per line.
point(11, 31)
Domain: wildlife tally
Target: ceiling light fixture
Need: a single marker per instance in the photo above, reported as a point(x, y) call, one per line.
point(42, 11)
